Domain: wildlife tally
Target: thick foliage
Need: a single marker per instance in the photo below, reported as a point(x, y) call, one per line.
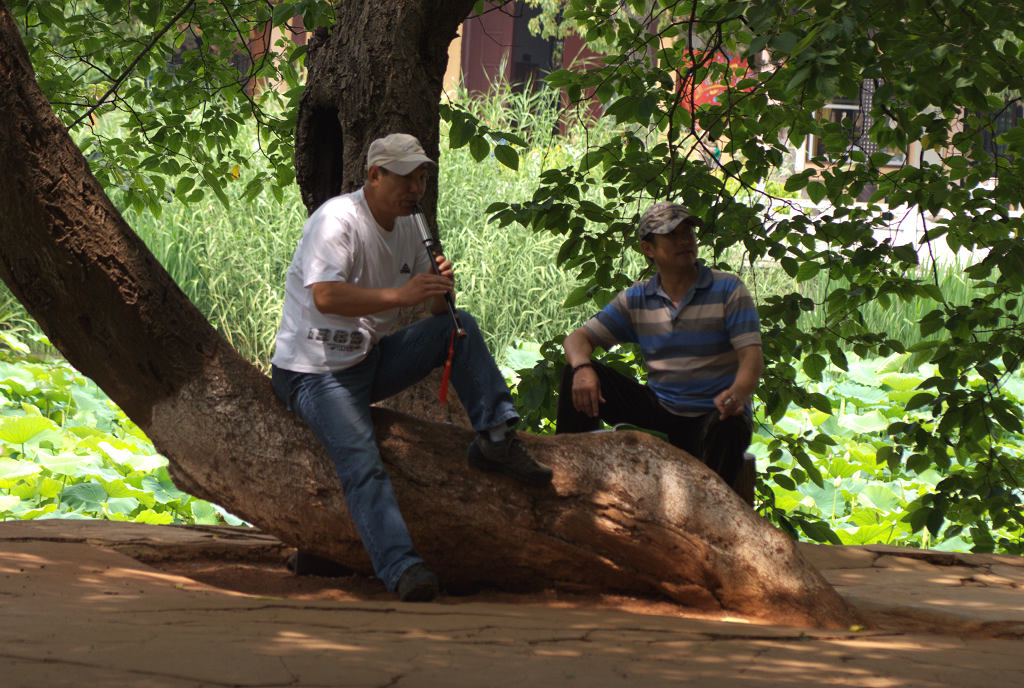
point(912, 177)
point(184, 78)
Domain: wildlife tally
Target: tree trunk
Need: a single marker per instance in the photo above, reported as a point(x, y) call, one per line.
point(626, 513)
point(379, 71)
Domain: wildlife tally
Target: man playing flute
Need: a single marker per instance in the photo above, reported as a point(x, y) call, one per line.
point(360, 259)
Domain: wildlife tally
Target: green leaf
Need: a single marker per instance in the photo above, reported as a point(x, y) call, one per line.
point(50, 488)
point(901, 381)
point(217, 187)
point(798, 78)
point(507, 156)
point(820, 402)
point(1007, 418)
point(11, 469)
point(229, 518)
point(149, 11)
point(204, 513)
point(866, 534)
point(810, 468)
point(827, 498)
point(869, 423)
point(69, 464)
point(13, 343)
point(184, 185)
point(624, 109)
point(159, 518)
point(51, 15)
point(137, 462)
point(784, 42)
point(795, 182)
point(577, 296)
point(568, 249)
point(121, 505)
point(816, 191)
point(838, 358)
point(818, 531)
point(809, 37)
point(890, 457)
point(808, 270)
point(121, 489)
point(920, 400)
point(20, 429)
point(906, 253)
point(936, 518)
point(813, 365)
point(479, 148)
point(590, 159)
point(559, 78)
point(881, 498)
point(461, 132)
point(784, 481)
point(162, 489)
point(87, 497)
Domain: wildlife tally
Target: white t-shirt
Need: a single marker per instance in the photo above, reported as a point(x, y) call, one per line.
point(341, 242)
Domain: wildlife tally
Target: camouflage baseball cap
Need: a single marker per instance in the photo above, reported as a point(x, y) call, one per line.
point(662, 218)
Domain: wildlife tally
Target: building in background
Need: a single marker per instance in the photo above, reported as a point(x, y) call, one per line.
point(498, 45)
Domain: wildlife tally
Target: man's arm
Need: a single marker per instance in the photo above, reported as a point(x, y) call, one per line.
point(586, 387)
point(731, 401)
point(349, 300)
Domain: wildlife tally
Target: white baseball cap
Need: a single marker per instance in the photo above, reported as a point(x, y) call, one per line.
point(398, 153)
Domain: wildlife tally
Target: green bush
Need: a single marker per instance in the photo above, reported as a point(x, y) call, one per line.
point(856, 488)
point(66, 451)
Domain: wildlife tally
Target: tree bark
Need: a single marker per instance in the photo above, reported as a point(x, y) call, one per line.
point(626, 513)
point(379, 71)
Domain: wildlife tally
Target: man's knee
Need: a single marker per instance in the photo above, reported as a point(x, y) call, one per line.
point(734, 431)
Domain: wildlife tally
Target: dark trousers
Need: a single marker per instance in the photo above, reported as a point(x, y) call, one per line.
point(718, 443)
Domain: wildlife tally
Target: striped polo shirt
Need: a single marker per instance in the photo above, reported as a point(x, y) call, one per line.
point(690, 349)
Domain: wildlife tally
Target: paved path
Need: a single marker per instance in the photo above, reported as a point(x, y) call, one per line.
point(78, 607)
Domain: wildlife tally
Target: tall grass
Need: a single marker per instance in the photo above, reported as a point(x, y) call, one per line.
point(230, 262)
point(900, 319)
point(506, 276)
point(13, 317)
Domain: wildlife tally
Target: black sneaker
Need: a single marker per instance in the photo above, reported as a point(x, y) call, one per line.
point(417, 584)
point(508, 456)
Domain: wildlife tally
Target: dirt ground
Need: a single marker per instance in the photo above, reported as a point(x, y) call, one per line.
point(106, 604)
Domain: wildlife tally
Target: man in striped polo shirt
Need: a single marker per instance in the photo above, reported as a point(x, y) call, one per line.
point(700, 336)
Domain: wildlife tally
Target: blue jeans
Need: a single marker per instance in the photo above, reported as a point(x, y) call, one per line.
point(336, 406)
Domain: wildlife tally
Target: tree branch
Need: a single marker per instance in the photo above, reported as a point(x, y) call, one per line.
point(128, 70)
